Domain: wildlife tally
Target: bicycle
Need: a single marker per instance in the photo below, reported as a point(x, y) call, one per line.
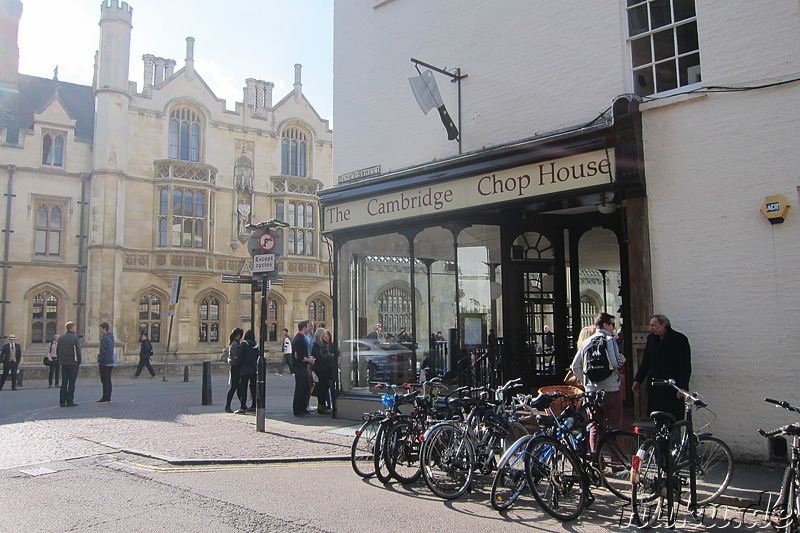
point(402, 441)
point(452, 451)
point(362, 450)
point(663, 463)
point(608, 465)
point(786, 511)
point(393, 415)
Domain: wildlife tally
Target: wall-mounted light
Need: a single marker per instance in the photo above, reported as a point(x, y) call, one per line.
point(774, 208)
point(607, 203)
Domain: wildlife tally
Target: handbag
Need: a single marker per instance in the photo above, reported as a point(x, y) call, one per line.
point(47, 362)
point(572, 380)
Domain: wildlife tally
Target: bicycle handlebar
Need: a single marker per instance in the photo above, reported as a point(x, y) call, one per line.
point(789, 429)
point(784, 404)
point(686, 394)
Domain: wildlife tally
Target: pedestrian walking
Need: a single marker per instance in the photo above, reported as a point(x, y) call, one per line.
point(11, 354)
point(52, 356)
point(248, 359)
point(233, 363)
point(70, 358)
point(145, 353)
point(106, 359)
point(287, 353)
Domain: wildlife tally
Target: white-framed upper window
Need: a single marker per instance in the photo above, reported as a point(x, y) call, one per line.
point(665, 50)
point(300, 236)
point(48, 227)
point(185, 130)
point(183, 217)
point(53, 144)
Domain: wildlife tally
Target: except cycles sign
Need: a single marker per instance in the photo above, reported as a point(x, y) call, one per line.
point(263, 263)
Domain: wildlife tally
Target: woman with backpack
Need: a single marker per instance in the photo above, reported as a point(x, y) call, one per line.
point(248, 365)
point(233, 361)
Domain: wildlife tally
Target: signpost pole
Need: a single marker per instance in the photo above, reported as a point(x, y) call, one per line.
point(173, 304)
point(261, 381)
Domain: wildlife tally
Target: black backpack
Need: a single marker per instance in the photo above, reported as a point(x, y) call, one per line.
point(596, 366)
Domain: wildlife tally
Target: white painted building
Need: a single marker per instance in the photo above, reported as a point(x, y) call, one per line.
point(715, 123)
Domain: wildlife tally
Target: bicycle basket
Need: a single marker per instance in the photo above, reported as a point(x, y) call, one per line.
point(560, 404)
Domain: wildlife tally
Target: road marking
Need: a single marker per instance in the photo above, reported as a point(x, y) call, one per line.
point(214, 468)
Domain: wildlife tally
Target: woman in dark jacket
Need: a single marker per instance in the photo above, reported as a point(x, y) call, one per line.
point(233, 361)
point(323, 368)
point(248, 359)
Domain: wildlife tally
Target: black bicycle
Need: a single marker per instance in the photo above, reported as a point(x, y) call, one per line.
point(785, 513)
point(673, 457)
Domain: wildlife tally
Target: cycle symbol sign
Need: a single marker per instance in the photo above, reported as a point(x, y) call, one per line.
point(267, 242)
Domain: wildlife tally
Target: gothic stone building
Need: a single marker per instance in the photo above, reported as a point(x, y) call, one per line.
point(112, 191)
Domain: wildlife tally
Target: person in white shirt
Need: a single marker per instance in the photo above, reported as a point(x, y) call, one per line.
point(287, 354)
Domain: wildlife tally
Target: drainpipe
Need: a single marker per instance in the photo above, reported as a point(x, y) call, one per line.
point(6, 247)
point(80, 299)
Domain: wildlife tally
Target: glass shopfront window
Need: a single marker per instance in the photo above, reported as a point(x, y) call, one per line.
point(400, 323)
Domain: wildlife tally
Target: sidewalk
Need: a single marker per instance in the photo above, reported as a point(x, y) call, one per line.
point(165, 422)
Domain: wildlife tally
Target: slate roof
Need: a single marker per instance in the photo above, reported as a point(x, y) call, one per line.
point(18, 107)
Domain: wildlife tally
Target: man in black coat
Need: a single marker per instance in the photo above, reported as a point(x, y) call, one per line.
point(301, 358)
point(11, 353)
point(667, 355)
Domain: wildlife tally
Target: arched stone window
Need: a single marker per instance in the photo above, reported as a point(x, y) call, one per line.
point(293, 152)
point(44, 317)
point(209, 315)
point(317, 311)
point(185, 130)
point(53, 149)
point(272, 320)
point(150, 315)
point(394, 309)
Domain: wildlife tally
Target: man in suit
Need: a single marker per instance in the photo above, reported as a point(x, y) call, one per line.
point(11, 354)
point(70, 359)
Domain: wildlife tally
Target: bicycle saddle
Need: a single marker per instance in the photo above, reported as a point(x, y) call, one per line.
point(541, 402)
point(663, 417)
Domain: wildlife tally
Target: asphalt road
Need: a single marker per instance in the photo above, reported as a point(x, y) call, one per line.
point(83, 469)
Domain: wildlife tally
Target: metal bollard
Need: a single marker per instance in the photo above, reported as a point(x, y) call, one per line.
point(206, 382)
point(186, 374)
point(261, 394)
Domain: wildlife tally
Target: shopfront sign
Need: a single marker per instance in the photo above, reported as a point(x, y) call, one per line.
point(528, 181)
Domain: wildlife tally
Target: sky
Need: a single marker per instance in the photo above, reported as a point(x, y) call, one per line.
point(234, 40)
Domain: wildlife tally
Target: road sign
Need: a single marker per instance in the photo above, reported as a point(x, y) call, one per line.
point(173, 295)
point(267, 241)
point(230, 278)
point(263, 263)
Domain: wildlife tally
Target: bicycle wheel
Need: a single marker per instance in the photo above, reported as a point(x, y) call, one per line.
point(379, 457)
point(555, 477)
point(509, 480)
point(613, 460)
point(401, 448)
point(714, 469)
point(363, 447)
point(784, 514)
point(651, 498)
point(448, 461)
